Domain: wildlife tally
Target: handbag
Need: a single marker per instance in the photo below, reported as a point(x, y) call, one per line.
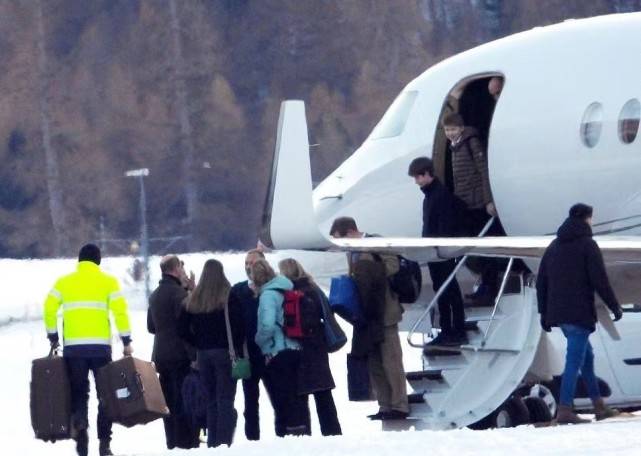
point(240, 367)
point(335, 337)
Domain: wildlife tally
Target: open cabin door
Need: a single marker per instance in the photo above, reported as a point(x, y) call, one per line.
point(472, 99)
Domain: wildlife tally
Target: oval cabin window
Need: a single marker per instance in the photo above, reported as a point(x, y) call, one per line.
point(629, 121)
point(591, 124)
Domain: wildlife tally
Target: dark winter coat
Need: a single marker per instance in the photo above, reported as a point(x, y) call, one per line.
point(442, 211)
point(313, 372)
point(470, 170)
point(249, 303)
point(207, 331)
point(162, 321)
point(571, 270)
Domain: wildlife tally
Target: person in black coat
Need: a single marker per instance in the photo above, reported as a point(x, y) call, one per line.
point(571, 270)
point(202, 324)
point(314, 374)
point(245, 294)
point(171, 354)
point(439, 220)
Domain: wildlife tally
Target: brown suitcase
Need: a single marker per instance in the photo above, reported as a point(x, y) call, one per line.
point(130, 391)
point(50, 401)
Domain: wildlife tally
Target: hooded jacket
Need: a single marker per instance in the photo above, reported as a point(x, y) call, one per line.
point(269, 332)
point(470, 170)
point(571, 270)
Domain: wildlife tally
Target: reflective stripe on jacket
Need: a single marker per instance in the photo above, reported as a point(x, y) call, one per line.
point(86, 297)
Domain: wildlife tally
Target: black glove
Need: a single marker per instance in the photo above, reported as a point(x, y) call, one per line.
point(544, 325)
point(53, 340)
point(618, 314)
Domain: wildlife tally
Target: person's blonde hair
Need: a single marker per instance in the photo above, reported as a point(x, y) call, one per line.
point(211, 292)
point(261, 273)
point(293, 270)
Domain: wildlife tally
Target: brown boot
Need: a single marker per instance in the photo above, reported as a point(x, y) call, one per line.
point(602, 411)
point(565, 415)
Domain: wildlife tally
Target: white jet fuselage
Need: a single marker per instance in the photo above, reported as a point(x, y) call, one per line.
point(538, 163)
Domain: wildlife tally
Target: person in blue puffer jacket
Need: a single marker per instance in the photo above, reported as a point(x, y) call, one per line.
point(282, 354)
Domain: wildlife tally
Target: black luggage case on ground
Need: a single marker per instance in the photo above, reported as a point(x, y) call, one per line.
point(130, 391)
point(50, 401)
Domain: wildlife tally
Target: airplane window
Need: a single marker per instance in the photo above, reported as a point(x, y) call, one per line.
point(591, 124)
point(629, 121)
point(393, 122)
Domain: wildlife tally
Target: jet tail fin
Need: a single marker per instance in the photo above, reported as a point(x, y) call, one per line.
point(288, 217)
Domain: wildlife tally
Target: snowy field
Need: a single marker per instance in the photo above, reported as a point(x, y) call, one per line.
point(22, 338)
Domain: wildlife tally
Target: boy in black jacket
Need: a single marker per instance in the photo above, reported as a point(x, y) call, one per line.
point(439, 220)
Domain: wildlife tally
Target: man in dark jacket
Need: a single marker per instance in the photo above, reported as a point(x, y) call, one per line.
point(377, 338)
point(571, 270)
point(439, 207)
point(246, 294)
point(171, 355)
point(472, 185)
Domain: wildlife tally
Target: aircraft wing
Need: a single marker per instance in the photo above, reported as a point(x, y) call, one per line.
point(615, 249)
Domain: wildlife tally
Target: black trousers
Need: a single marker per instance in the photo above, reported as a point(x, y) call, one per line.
point(251, 391)
point(450, 304)
point(290, 409)
point(78, 369)
point(327, 415)
point(179, 431)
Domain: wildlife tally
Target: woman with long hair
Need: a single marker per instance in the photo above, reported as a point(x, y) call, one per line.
point(202, 323)
point(314, 374)
point(282, 354)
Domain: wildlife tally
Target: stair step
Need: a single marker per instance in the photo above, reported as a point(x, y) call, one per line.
point(416, 398)
point(433, 374)
point(441, 351)
point(471, 326)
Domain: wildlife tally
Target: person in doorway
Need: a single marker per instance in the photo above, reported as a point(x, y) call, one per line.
point(282, 354)
point(87, 297)
point(246, 293)
point(439, 207)
point(472, 186)
point(172, 356)
point(571, 270)
point(377, 338)
point(202, 324)
point(495, 86)
point(314, 374)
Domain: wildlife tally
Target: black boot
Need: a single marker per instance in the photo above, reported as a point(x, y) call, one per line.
point(82, 443)
point(105, 449)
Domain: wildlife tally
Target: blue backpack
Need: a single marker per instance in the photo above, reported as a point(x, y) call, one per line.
point(344, 300)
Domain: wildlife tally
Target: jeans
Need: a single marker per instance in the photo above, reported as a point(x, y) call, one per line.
point(215, 369)
point(251, 391)
point(78, 369)
point(579, 357)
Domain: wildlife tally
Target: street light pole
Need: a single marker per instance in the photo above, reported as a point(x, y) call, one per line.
point(144, 234)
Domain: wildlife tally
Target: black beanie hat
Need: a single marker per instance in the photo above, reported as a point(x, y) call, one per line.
point(89, 252)
point(581, 211)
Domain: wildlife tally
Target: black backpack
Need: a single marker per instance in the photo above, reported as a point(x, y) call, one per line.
point(407, 282)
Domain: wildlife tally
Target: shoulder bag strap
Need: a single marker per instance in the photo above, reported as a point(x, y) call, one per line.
point(230, 340)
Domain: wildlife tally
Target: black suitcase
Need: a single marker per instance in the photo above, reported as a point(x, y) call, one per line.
point(358, 384)
point(50, 400)
point(130, 391)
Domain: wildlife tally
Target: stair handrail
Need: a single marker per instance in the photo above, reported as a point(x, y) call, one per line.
point(497, 299)
point(441, 290)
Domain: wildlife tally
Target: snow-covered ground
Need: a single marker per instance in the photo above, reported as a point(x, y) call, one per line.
point(27, 283)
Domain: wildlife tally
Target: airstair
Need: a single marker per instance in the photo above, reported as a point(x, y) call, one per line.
point(459, 386)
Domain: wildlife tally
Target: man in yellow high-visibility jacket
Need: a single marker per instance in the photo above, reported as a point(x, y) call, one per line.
point(86, 296)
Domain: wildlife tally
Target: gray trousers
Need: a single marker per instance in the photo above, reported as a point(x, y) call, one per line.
point(387, 373)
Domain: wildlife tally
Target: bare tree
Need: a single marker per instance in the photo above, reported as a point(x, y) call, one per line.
point(56, 207)
point(186, 141)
